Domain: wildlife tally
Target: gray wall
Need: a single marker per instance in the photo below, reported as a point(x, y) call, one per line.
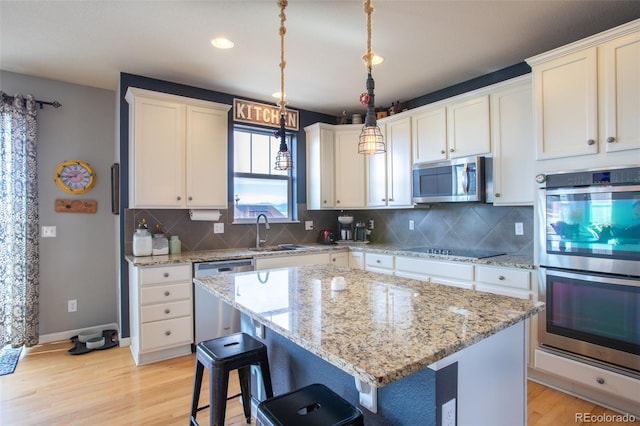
point(80, 263)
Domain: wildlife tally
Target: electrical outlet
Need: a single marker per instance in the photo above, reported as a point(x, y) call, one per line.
point(48, 231)
point(449, 413)
point(412, 225)
point(218, 228)
point(308, 225)
point(72, 305)
point(370, 223)
point(519, 228)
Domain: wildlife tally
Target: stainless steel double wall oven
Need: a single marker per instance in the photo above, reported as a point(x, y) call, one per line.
point(589, 256)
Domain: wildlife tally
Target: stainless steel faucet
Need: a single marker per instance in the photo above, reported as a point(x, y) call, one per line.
point(260, 242)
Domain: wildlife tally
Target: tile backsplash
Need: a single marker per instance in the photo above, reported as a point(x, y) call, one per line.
point(459, 225)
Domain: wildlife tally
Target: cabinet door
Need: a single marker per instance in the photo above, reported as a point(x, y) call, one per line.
point(621, 87)
point(513, 165)
point(468, 127)
point(349, 170)
point(377, 175)
point(399, 162)
point(157, 153)
point(320, 167)
point(565, 97)
point(429, 135)
point(206, 152)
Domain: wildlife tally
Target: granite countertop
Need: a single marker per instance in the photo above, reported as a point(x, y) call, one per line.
point(381, 328)
point(507, 260)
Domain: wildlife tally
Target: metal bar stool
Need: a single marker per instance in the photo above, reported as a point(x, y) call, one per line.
point(313, 405)
point(221, 355)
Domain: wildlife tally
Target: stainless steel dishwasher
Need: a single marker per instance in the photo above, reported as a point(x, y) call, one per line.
point(213, 317)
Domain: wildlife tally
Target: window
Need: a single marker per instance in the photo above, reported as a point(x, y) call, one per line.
point(257, 186)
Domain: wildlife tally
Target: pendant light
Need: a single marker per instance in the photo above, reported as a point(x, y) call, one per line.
point(283, 158)
point(371, 140)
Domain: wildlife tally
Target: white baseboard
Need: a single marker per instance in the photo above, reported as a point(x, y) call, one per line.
point(66, 335)
point(125, 341)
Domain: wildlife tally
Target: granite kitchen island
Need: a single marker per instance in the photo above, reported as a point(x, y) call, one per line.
point(408, 346)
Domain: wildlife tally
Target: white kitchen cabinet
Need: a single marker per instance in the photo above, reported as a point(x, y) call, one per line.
point(587, 99)
point(320, 166)
point(389, 174)
point(160, 310)
point(356, 259)
point(177, 151)
point(350, 174)
point(513, 143)
point(383, 263)
point(292, 260)
point(457, 274)
point(429, 131)
point(468, 127)
point(339, 259)
point(514, 282)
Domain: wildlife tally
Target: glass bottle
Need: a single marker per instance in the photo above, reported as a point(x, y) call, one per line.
point(175, 246)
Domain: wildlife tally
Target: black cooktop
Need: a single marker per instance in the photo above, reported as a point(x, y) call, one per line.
point(470, 253)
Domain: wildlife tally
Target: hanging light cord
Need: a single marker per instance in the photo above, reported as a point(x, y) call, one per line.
point(283, 63)
point(368, 57)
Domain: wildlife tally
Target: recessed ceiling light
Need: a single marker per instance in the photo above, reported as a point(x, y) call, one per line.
point(222, 43)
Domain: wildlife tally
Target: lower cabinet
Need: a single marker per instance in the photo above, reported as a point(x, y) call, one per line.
point(506, 281)
point(339, 259)
point(292, 260)
point(161, 312)
point(457, 274)
point(382, 263)
point(356, 260)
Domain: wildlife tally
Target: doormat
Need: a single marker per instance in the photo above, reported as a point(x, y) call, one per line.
point(9, 359)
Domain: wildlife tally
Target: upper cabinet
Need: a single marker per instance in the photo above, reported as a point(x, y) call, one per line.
point(512, 142)
point(587, 97)
point(456, 127)
point(177, 151)
point(389, 174)
point(335, 171)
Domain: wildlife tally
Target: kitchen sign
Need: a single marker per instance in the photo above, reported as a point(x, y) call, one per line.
point(264, 114)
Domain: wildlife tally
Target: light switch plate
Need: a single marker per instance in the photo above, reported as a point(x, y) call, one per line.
point(412, 225)
point(218, 228)
point(519, 228)
point(308, 225)
point(48, 231)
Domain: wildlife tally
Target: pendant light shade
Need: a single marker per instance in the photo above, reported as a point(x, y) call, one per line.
point(371, 140)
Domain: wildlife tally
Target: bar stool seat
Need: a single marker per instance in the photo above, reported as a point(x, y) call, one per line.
point(313, 405)
point(220, 356)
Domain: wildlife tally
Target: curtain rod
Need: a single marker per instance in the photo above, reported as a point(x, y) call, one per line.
point(40, 103)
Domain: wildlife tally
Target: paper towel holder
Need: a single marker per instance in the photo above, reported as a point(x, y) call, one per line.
point(205, 214)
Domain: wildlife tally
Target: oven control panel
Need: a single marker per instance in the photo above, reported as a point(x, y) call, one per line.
point(628, 176)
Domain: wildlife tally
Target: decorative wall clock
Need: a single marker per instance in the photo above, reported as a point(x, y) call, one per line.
point(75, 176)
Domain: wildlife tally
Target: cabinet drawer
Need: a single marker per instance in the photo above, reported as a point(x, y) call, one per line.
point(162, 334)
point(454, 270)
point(163, 274)
point(165, 293)
point(513, 278)
point(340, 259)
point(604, 380)
point(356, 260)
point(379, 261)
point(165, 311)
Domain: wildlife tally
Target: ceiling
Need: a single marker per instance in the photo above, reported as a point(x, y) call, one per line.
point(427, 45)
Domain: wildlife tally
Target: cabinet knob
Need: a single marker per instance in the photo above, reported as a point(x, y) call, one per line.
point(333, 260)
point(166, 275)
point(325, 201)
point(497, 195)
point(383, 200)
point(611, 139)
point(442, 152)
point(501, 277)
point(378, 261)
point(166, 293)
point(178, 198)
point(591, 142)
point(167, 333)
point(600, 380)
point(451, 150)
point(337, 201)
point(190, 198)
point(167, 311)
point(391, 199)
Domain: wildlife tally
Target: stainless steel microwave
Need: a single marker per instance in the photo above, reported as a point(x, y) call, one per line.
point(465, 179)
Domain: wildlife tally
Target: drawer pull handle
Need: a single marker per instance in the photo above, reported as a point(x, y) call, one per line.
point(166, 293)
point(167, 311)
point(167, 333)
point(600, 380)
point(166, 275)
point(501, 277)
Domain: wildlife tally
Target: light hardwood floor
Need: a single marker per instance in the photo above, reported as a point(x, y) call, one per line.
point(51, 387)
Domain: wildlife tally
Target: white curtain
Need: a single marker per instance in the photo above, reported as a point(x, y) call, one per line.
point(19, 261)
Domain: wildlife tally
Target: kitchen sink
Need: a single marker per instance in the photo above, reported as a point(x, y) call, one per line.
point(281, 247)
